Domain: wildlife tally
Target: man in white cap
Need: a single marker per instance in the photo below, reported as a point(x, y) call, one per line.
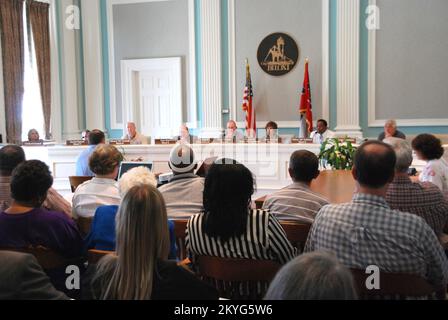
point(183, 194)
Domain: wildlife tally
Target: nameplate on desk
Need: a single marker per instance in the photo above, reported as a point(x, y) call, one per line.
point(165, 141)
point(119, 142)
point(250, 140)
point(302, 140)
point(351, 140)
point(32, 144)
point(205, 141)
point(73, 143)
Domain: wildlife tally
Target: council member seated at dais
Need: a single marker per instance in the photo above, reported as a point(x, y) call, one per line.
point(233, 133)
point(133, 136)
point(390, 131)
point(322, 132)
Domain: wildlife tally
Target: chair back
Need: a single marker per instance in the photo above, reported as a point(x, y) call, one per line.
point(237, 279)
point(93, 255)
point(75, 181)
point(296, 232)
point(396, 286)
point(180, 227)
point(84, 225)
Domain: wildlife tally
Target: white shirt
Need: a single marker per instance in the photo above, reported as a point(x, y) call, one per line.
point(436, 171)
point(138, 139)
point(92, 194)
point(320, 138)
point(237, 135)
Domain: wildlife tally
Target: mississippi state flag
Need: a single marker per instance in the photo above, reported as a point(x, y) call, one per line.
point(251, 126)
point(305, 101)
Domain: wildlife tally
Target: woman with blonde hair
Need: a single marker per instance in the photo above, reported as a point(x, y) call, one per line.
point(140, 269)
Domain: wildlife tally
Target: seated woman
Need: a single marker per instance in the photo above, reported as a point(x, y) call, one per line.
point(102, 233)
point(102, 189)
point(33, 137)
point(271, 132)
point(25, 223)
point(313, 276)
point(429, 148)
point(140, 270)
point(228, 227)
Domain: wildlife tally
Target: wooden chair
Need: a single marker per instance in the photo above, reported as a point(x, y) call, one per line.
point(75, 181)
point(396, 286)
point(180, 226)
point(93, 255)
point(237, 279)
point(296, 232)
point(84, 225)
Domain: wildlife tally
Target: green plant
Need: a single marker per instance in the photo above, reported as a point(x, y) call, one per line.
point(338, 154)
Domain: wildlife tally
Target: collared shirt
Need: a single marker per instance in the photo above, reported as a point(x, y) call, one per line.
point(367, 232)
point(92, 194)
point(82, 163)
point(423, 199)
point(320, 138)
point(183, 195)
point(236, 135)
point(264, 239)
point(295, 202)
point(436, 171)
point(53, 202)
point(138, 139)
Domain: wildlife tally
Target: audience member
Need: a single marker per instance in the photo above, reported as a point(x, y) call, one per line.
point(134, 136)
point(33, 136)
point(22, 278)
point(25, 223)
point(232, 132)
point(390, 131)
point(140, 269)
point(183, 194)
point(96, 137)
point(367, 232)
point(428, 148)
point(322, 132)
point(102, 189)
point(10, 157)
point(102, 233)
point(423, 199)
point(313, 276)
point(227, 219)
point(297, 201)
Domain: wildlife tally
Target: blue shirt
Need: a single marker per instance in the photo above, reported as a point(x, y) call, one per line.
point(102, 232)
point(82, 163)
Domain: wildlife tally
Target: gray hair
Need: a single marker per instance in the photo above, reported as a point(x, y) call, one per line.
point(313, 276)
point(391, 122)
point(134, 177)
point(403, 151)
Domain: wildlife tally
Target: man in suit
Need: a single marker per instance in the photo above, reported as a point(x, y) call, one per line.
point(22, 278)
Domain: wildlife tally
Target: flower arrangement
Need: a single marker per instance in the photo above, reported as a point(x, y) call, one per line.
point(337, 154)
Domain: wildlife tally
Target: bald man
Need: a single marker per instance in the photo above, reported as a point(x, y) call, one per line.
point(134, 136)
point(232, 132)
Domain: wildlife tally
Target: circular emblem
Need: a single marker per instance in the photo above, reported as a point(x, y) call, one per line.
point(278, 54)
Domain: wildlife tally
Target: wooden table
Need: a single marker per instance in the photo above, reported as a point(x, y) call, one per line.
point(337, 186)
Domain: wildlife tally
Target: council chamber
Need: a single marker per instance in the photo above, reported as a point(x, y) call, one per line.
point(223, 149)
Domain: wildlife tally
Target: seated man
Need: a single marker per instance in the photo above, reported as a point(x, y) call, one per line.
point(95, 137)
point(102, 233)
point(10, 157)
point(322, 133)
point(183, 194)
point(232, 132)
point(420, 198)
point(367, 231)
point(185, 136)
point(22, 278)
point(297, 201)
point(134, 136)
point(390, 131)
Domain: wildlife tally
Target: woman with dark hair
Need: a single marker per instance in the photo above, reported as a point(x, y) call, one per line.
point(271, 132)
point(428, 148)
point(228, 227)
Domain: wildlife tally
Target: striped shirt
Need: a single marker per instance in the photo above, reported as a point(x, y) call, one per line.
point(423, 199)
point(367, 232)
point(264, 239)
point(295, 202)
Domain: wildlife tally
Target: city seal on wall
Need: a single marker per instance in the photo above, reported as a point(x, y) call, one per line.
point(278, 54)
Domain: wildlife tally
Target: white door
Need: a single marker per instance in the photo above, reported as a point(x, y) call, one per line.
point(155, 97)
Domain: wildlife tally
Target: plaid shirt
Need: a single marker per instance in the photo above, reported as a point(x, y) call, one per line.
point(367, 232)
point(423, 199)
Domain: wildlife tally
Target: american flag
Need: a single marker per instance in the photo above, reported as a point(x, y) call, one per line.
point(251, 126)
